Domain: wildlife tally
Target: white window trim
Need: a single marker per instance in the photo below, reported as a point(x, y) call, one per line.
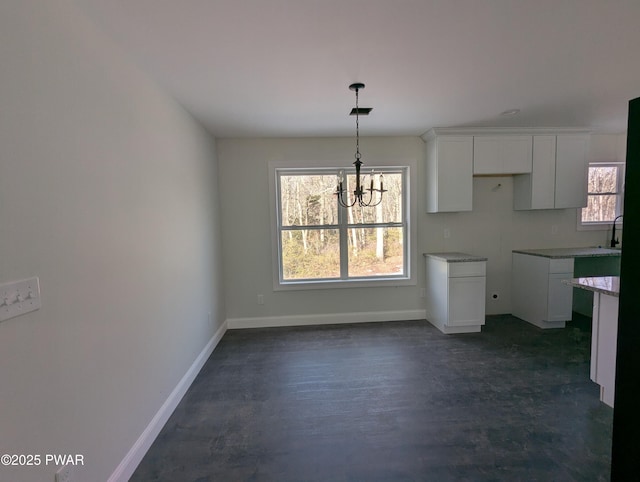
point(410, 279)
point(605, 225)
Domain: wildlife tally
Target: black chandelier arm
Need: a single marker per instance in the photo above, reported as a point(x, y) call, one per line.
point(340, 197)
point(360, 194)
point(372, 190)
point(358, 197)
point(371, 205)
point(369, 202)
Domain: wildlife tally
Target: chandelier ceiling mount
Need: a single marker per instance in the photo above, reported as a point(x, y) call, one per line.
point(364, 197)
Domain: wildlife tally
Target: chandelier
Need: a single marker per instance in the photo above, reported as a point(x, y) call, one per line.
point(364, 197)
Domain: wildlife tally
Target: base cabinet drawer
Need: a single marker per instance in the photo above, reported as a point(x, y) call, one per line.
point(561, 265)
point(471, 268)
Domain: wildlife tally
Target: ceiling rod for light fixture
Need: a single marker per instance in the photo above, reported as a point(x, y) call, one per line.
point(359, 191)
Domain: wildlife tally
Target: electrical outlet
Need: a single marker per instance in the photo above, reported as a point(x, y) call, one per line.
point(261, 299)
point(447, 233)
point(65, 473)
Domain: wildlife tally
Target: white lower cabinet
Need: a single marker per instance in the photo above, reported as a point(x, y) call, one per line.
point(455, 292)
point(466, 301)
point(604, 337)
point(537, 293)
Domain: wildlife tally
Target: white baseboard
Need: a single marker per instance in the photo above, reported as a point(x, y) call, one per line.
point(127, 467)
point(328, 319)
point(452, 330)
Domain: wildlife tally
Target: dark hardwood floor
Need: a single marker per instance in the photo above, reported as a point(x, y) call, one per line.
point(395, 401)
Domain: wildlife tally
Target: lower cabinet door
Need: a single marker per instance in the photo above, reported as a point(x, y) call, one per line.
point(560, 298)
point(466, 301)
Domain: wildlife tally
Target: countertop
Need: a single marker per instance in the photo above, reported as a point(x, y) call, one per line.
point(570, 252)
point(608, 285)
point(454, 257)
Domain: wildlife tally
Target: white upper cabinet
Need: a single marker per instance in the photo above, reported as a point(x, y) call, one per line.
point(559, 176)
point(537, 190)
point(449, 173)
point(501, 154)
point(549, 166)
point(571, 171)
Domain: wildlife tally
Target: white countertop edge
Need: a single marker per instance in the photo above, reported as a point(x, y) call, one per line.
point(608, 285)
point(558, 253)
point(455, 257)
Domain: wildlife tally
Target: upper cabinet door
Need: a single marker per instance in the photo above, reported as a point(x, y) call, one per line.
point(543, 175)
point(571, 171)
point(516, 153)
point(501, 155)
point(486, 155)
point(449, 171)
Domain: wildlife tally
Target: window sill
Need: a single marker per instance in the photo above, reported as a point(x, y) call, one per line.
point(340, 284)
point(594, 226)
point(604, 226)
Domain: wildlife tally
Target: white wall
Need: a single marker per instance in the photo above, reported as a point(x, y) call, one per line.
point(246, 218)
point(608, 148)
point(107, 194)
point(493, 229)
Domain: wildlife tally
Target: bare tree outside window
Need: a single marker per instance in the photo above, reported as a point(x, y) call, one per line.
point(320, 240)
point(604, 201)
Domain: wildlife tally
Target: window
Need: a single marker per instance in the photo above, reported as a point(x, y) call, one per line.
point(605, 194)
point(318, 241)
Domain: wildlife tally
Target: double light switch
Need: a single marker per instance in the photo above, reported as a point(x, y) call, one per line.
point(19, 297)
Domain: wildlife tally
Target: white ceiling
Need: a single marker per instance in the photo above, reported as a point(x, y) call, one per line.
point(264, 68)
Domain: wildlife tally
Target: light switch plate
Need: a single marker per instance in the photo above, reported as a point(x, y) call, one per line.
point(19, 297)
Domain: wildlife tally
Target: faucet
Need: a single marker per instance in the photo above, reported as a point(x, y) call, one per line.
point(614, 241)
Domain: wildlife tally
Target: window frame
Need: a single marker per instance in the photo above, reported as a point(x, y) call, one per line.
point(604, 225)
point(277, 169)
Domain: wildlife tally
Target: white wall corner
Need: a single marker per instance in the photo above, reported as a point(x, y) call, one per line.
point(136, 453)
